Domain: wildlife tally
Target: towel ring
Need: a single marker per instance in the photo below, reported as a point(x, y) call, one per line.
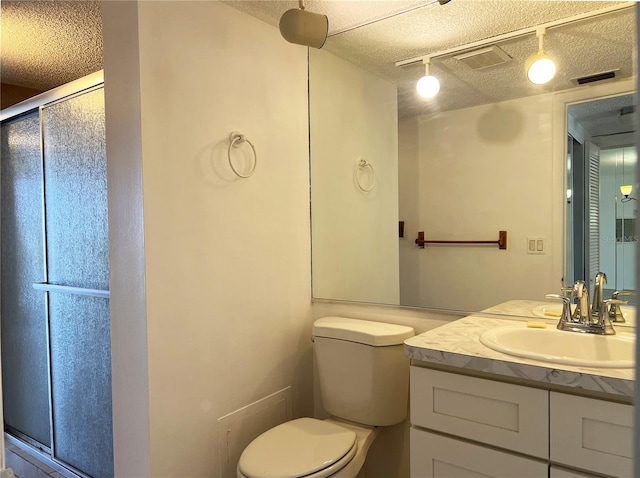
point(362, 164)
point(236, 140)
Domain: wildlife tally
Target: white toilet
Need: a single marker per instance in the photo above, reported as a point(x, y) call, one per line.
point(364, 383)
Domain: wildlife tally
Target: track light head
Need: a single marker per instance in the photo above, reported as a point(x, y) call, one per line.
point(428, 86)
point(540, 67)
point(304, 28)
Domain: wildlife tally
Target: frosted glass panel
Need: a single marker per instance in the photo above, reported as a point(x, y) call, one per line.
point(76, 192)
point(81, 382)
point(24, 337)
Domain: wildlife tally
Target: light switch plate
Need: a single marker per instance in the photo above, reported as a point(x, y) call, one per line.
point(536, 245)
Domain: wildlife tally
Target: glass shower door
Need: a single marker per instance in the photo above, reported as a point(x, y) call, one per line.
point(25, 376)
point(78, 282)
point(54, 280)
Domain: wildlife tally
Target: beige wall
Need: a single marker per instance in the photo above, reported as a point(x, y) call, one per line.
point(226, 261)
point(477, 171)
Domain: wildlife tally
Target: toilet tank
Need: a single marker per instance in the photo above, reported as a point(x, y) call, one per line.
point(362, 369)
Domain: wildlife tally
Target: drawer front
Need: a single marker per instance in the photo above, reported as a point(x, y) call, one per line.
point(559, 472)
point(592, 434)
point(500, 414)
point(436, 456)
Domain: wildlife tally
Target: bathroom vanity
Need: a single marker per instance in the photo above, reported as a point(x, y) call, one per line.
point(476, 412)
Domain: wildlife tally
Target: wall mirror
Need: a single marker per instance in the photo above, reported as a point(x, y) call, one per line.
point(489, 153)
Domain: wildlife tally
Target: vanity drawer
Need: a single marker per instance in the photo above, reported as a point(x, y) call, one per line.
point(500, 414)
point(437, 456)
point(592, 434)
point(559, 472)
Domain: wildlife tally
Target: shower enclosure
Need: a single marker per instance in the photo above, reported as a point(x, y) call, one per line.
point(54, 278)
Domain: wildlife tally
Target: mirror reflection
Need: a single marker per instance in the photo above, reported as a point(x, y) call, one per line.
point(490, 152)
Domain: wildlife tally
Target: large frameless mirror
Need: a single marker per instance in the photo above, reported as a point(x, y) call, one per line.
point(487, 154)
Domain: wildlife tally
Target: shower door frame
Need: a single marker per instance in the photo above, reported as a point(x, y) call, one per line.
point(77, 87)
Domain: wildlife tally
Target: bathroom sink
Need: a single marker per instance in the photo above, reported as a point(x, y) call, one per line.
point(553, 311)
point(561, 347)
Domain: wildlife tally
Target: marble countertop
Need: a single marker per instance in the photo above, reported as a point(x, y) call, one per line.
point(457, 344)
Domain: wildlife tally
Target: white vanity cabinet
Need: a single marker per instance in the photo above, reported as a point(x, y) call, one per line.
point(591, 434)
point(469, 426)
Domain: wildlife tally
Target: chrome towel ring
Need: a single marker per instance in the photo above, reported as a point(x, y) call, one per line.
point(236, 140)
point(362, 164)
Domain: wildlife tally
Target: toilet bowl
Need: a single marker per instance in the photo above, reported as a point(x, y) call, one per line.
point(308, 448)
point(364, 383)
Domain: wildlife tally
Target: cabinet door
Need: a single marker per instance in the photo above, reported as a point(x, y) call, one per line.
point(437, 456)
point(591, 434)
point(500, 414)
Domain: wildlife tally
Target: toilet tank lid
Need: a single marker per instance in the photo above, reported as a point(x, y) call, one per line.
point(377, 334)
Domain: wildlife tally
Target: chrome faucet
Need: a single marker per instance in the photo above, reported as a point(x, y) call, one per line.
point(598, 295)
point(615, 314)
point(582, 313)
point(582, 319)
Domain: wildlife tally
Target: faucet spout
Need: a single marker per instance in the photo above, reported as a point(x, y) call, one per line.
point(581, 314)
point(598, 296)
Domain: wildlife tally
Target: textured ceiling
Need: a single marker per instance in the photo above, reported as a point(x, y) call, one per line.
point(48, 43)
point(584, 48)
point(603, 118)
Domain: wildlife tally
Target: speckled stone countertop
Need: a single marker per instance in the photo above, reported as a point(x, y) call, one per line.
point(457, 345)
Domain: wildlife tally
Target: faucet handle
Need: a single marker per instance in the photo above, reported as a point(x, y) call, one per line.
point(614, 312)
point(619, 293)
point(566, 290)
point(605, 312)
point(565, 317)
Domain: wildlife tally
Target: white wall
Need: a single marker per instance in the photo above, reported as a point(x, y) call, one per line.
point(477, 171)
point(226, 261)
point(355, 233)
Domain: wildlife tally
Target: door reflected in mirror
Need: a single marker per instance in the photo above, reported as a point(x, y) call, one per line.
point(600, 220)
point(484, 156)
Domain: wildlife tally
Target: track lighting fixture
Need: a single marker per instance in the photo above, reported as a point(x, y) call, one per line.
point(304, 28)
point(539, 66)
point(428, 86)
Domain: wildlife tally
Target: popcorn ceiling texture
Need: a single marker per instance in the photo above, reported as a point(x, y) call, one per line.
point(49, 43)
point(581, 49)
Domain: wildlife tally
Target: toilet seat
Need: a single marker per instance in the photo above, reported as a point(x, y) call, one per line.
point(305, 447)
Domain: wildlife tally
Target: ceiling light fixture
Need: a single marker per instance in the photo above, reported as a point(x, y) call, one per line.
point(427, 86)
point(534, 68)
point(304, 28)
point(540, 67)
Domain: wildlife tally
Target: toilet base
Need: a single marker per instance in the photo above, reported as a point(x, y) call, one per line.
point(365, 436)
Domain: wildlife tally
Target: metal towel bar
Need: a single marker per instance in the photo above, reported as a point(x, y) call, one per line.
point(501, 242)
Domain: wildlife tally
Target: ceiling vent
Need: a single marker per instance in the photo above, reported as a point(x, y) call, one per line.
point(605, 75)
point(483, 58)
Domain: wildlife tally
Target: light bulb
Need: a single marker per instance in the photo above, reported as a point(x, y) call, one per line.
point(428, 86)
point(540, 68)
point(626, 190)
